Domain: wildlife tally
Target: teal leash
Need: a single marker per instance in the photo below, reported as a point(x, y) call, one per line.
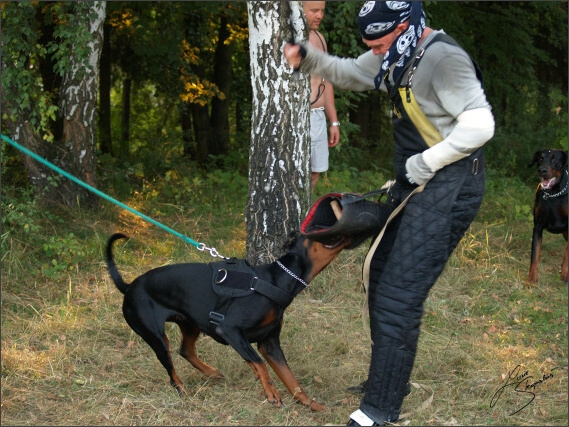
point(200, 246)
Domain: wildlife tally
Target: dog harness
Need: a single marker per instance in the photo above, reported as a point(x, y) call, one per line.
point(234, 278)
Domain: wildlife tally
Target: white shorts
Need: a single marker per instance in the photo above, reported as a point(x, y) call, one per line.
point(319, 140)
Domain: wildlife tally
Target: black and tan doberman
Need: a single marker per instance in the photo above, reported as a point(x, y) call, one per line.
point(550, 208)
point(232, 302)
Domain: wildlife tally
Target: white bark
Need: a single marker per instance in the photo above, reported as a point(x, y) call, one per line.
point(78, 103)
point(279, 158)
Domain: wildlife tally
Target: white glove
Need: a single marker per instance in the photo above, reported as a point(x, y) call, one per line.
point(417, 171)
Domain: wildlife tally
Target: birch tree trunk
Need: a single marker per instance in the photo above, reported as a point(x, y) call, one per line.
point(29, 110)
point(279, 157)
point(78, 106)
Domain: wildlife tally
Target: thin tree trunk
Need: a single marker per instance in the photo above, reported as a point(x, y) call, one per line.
point(279, 168)
point(79, 90)
point(125, 117)
point(222, 77)
point(105, 136)
point(187, 136)
point(202, 132)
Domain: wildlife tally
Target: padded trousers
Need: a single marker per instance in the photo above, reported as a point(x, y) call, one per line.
point(407, 262)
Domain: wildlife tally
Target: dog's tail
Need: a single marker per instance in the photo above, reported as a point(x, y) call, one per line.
point(113, 271)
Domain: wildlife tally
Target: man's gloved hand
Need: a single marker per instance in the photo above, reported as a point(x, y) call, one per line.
point(407, 178)
point(416, 170)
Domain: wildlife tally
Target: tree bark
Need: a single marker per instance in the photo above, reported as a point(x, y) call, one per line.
point(105, 136)
point(279, 157)
point(78, 106)
point(202, 132)
point(125, 117)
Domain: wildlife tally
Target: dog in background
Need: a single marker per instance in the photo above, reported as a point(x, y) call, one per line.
point(550, 208)
point(233, 306)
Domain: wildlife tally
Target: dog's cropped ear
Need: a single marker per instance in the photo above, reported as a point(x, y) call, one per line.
point(535, 158)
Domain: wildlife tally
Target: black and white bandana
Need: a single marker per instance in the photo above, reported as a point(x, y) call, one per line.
point(379, 18)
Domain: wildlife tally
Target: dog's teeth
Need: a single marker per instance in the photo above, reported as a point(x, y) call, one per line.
point(548, 183)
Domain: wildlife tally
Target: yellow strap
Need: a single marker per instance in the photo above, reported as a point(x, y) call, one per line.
point(429, 133)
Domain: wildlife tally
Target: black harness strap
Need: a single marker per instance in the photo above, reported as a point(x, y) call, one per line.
point(235, 278)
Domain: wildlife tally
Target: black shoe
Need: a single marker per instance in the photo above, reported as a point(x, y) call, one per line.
point(361, 388)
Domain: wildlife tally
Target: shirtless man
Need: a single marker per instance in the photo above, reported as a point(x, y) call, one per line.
point(321, 98)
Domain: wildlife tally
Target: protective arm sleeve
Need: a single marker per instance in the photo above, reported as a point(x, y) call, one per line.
point(473, 129)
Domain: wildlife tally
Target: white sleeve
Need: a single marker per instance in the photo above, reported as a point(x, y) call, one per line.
point(473, 128)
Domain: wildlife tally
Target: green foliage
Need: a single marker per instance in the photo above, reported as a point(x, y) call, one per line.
point(19, 211)
point(20, 80)
point(200, 191)
point(558, 119)
point(72, 37)
point(25, 52)
point(510, 198)
point(340, 29)
point(64, 253)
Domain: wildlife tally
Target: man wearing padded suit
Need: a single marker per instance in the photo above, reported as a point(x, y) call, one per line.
point(441, 119)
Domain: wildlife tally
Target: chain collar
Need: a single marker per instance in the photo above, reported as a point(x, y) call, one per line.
point(546, 195)
point(291, 273)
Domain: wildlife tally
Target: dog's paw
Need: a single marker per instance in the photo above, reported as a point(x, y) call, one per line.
point(317, 407)
point(180, 389)
point(274, 398)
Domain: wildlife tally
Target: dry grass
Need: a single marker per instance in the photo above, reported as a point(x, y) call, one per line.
point(68, 357)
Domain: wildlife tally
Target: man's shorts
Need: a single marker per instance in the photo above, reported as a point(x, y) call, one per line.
point(319, 140)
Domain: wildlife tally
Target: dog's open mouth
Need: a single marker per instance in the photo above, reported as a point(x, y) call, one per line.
point(547, 184)
point(338, 216)
point(334, 245)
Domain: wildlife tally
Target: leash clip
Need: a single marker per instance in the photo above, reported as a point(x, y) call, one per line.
point(212, 251)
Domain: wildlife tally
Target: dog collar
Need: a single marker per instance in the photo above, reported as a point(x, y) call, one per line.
point(291, 273)
point(546, 195)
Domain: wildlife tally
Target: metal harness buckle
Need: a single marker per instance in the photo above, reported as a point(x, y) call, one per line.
point(475, 164)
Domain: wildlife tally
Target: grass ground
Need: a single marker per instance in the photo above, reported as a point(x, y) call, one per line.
point(68, 357)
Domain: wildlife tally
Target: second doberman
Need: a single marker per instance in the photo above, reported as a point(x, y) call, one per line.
point(550, 208)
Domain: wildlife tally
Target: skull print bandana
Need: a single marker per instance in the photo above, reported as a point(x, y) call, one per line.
point(379, 18)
